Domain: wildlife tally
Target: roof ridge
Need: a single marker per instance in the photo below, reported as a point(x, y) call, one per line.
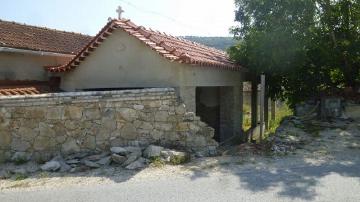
point(170, 47)
point(182, 39)
point(45, 28)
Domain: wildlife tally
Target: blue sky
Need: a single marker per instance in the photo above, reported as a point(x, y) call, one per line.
point(176, 17)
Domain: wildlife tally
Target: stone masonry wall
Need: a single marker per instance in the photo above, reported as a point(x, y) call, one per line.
point(66, 123)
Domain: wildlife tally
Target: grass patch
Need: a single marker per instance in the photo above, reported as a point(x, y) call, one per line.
point(43, 175)
point(241, 162)
point(19, 177)
point(225, 163)
point(20, 185)
point(20, 161)
point(178, 160)
point(353, 147)
point(322, 152)
point(247, 117)
point(157, 162)
point(268, 153)
point(209, 167)
point(280, 114)
point(313, 130)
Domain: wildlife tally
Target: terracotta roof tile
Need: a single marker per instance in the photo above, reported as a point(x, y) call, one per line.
point(8, 88)
point(172, 48)
point(21, 36)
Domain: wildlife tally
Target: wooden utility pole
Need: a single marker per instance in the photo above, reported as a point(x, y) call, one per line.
point(262, 107)
point(266, 112)
point(254, 103)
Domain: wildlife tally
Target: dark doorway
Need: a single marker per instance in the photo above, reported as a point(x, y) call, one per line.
point(208, 107)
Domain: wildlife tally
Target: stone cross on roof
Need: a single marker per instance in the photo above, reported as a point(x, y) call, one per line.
point(120, 11)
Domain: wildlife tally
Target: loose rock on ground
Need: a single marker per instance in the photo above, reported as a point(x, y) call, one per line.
point(131, 158)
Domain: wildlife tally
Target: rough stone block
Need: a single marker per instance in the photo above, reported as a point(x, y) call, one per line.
point(54, 113)
point(35, 113)
point(161, 116)
point(129, 132)
point(70, 147)
point(20, 145)
point(181, 109)
point(182, 126)
point(73, 112)
point(42, 143)
point(139, 107)
point(4, 156)
point(88, 142)
point(152, 151)
point(92, 113)
point(5, 139)
point(164, 126)
point(47, 130)
point(21, 157)
point(352, 111)
point(126, 114)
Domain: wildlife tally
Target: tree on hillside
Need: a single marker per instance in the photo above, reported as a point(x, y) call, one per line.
point(303, 46)
point(221, 43)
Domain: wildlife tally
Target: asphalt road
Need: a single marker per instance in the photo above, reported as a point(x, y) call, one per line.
point(333, 181)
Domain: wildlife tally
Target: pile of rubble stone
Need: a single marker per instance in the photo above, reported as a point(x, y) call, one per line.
point(289, 136)
point(130, 158)
point(294, 132)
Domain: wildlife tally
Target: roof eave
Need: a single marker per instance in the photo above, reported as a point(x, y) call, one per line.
point(33, 52)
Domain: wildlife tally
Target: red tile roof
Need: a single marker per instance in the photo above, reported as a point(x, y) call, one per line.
point(8, 87)
point(172, 48)
point(21, 36)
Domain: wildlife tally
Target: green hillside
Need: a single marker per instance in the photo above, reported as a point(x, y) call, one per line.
point(221, 43)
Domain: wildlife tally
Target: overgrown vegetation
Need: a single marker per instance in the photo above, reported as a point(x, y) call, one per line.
point(20, 161)
point(281, 113)
point(19, 177)
point(157, 162)
point(247, 117)
point(178, 160)
point(304, 47)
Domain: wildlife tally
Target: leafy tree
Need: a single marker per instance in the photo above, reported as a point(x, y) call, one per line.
point(303, 46)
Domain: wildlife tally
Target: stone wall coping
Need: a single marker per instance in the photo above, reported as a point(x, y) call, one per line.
point(93, 96)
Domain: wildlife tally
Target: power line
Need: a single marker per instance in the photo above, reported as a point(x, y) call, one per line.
point(188, 27)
